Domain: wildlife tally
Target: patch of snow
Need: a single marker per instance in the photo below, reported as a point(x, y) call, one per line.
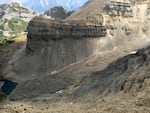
point(59, 92)
point(133, 52)
point(53, 72)
point(114, 48)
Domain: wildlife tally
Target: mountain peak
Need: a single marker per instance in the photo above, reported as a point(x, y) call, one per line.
point(57, 12)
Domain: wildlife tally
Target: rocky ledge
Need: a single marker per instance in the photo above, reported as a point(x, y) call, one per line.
point(46, 29)
point(43, 29)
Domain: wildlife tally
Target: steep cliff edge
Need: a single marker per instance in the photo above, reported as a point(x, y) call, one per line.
point(61, 43)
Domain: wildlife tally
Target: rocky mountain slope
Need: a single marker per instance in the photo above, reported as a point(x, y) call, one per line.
point(14, 19)
point(58, 50)
point(64, 69)
point(124, 75)
point(13, 23)
point(128, 74)
point(121, 84)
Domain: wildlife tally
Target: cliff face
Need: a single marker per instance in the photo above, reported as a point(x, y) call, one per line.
point(62, 43)
point(46, 30)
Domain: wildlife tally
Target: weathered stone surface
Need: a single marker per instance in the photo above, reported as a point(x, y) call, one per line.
point(117, 8)
point(55, 54)
point(57, 13)
point(60, 43)
point(49, 29)
point(42, 29)
point(51, 52)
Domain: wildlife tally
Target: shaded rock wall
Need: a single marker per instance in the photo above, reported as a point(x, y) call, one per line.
point(61, 43)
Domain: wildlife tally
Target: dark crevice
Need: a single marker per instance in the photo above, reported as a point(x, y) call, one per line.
point(8, 86)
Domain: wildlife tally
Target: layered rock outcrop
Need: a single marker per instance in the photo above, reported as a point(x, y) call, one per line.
point(42, 29)
point(63, 42)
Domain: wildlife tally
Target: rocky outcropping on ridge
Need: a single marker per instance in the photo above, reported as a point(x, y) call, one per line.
point(57, 13)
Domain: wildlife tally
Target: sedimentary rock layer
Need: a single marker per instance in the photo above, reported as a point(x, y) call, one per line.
point(42, 29)
point(46, 29)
